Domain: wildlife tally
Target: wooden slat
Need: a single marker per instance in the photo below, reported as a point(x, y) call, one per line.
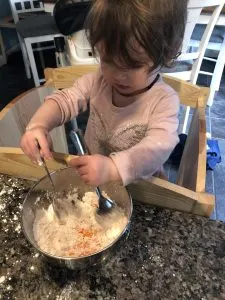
point(202, 155)
point(13, 162)
point(166, 194)
point(192, 170)
point(187, 173)
point(61, 78)
point(205, 205)
point(188, 92)
point(157, 192)
point(48, 72)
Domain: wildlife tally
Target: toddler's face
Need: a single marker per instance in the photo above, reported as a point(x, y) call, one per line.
point(125, 79)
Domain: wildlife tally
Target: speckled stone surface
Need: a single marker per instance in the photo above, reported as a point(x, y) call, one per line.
point(168, 255)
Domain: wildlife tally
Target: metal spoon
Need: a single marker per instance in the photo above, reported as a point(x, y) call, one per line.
point(105, 204)
point(57, 207)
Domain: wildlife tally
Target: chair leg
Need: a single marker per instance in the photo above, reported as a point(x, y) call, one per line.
point(217, 73)
point(32, 62)
point(187, 112)
point(25, 56)
point(2, 49)
point(211, 97)
point(41, 57)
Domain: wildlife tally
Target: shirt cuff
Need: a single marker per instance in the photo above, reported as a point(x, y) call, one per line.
point(124, 166)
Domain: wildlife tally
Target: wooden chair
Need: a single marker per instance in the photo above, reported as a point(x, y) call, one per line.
point(188, 194)
point(214, 52)
point(35, 27)
point(189, 63)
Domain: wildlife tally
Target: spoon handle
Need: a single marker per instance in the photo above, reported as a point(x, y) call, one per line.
point(78, 141)
point(45, 166)
point(105, 204)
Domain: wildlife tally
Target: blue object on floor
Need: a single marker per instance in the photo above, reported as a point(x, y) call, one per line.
point(213, 154)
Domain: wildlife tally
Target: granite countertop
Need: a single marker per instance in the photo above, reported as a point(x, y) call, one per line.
point(168, 255)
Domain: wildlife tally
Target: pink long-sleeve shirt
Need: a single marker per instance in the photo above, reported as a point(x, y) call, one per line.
point(138, 137)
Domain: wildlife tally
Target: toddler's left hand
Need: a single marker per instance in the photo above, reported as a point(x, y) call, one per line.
point(95, 169)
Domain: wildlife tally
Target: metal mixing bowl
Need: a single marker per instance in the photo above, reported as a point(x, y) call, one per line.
point(65, 179)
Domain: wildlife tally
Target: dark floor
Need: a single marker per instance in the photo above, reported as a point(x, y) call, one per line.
point(13, 82)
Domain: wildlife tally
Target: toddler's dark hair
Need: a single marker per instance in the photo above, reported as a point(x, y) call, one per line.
point(156, 25)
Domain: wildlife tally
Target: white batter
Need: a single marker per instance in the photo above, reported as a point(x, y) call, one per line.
point(82, 234)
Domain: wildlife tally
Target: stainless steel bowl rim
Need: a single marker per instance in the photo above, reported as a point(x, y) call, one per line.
point(71, 257)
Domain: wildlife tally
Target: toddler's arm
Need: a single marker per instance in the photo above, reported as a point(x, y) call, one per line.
point(58, 108)
point(63, 105)
point(144, 159)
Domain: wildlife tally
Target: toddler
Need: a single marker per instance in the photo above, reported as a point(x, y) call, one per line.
point(132, 127)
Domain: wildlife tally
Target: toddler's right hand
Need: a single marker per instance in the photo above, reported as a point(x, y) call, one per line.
point(29, 144)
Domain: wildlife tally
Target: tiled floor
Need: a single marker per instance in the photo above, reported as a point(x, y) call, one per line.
point(13, 82)
point(217, 124)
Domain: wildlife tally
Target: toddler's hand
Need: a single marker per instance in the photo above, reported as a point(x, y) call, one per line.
point(29, 144)
point(95, 169)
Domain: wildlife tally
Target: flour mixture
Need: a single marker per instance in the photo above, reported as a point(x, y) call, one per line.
point(83, 232)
